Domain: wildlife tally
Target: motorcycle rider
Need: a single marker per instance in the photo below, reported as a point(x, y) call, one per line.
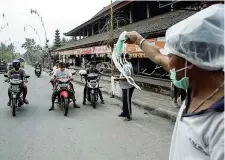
point(17, 70)
point(37, 65)
point(91, 69)
point(62, 72)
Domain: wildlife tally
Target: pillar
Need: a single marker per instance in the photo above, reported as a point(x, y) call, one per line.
point(98, 27)
point(131, 16)
point(92, 29)
point(83, 33)
point(148, 11)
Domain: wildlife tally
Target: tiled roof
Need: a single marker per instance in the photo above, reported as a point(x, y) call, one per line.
point(151, 25)
point(97, 16)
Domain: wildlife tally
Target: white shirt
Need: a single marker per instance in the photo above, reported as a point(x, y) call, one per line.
point(66, 73)
point(198, 137)
point(54, 68)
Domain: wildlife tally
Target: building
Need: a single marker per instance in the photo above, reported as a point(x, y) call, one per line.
point(149, 18)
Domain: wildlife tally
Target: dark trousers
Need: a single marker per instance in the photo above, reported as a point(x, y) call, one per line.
point(127, 94)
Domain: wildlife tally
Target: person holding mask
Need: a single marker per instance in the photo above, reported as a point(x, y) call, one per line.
point(127, 88)
point(194, 56)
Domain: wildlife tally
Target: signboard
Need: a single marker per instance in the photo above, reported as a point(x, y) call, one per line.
point(103, 49)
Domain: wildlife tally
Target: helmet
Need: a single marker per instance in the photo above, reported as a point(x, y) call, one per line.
point(16, 64)
point(82, 72)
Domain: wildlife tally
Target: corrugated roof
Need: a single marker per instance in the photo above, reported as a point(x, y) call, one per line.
point(151, 25)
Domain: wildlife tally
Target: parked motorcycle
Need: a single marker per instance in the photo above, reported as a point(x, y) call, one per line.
point(16, 92)
point(38, 72)
point(64, 88)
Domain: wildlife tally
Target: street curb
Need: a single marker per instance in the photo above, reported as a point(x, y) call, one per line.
point(153, 110)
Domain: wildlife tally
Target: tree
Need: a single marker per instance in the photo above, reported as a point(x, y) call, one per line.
point(33, 52)
point(64, 41)
point(57, 42)
point(7, 52)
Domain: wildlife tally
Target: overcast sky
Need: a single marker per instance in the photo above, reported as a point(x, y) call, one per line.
point(57, 14)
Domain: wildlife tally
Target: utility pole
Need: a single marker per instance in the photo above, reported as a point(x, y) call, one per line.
point(112, 40)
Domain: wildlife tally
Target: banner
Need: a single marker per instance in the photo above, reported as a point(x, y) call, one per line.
point(132, 49)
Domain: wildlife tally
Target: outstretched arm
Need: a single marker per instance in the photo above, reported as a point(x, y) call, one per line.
point(150, 50)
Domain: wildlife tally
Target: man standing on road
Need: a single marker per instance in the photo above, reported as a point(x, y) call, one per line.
point(127, 89)
point(194, 56)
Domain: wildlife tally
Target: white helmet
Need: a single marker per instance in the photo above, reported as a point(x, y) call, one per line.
point(82, 72)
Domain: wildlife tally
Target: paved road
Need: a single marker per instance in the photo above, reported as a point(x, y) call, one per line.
point(37, 134)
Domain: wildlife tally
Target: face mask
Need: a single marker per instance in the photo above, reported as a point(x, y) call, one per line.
point(184, 82)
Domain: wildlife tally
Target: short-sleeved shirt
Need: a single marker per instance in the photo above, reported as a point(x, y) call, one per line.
point(199, 135)
point(66, 73)
point(128, 68)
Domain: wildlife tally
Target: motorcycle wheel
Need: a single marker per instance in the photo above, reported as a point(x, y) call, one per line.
point(93, 100)
point(65, 106)
point(13, 107)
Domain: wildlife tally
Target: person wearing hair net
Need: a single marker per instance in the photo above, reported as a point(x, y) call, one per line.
point(194, 56)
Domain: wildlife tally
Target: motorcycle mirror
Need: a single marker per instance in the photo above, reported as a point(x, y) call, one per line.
point(5, 75)
point(27, 76)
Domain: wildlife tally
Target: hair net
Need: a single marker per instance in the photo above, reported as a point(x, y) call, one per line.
point(199, 39)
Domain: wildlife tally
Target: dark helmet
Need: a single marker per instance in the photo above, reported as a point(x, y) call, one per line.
point(16, 64)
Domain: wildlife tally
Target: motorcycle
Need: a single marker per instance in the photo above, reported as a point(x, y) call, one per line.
point(38, 72)
point(16, 92)
point(64, 88)
point(92, 81)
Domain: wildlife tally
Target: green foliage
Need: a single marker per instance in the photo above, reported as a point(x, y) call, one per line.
point(33, 52)
point(7, 52)
point(57, 41)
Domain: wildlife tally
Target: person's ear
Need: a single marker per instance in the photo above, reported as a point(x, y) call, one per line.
point(190, 66)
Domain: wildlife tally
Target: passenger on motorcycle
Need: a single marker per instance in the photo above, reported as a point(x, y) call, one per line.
point(56, 66)
point(17, 70)
point(53, 72)
point(62, 72)
point(37, 65)
point(92, 69)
